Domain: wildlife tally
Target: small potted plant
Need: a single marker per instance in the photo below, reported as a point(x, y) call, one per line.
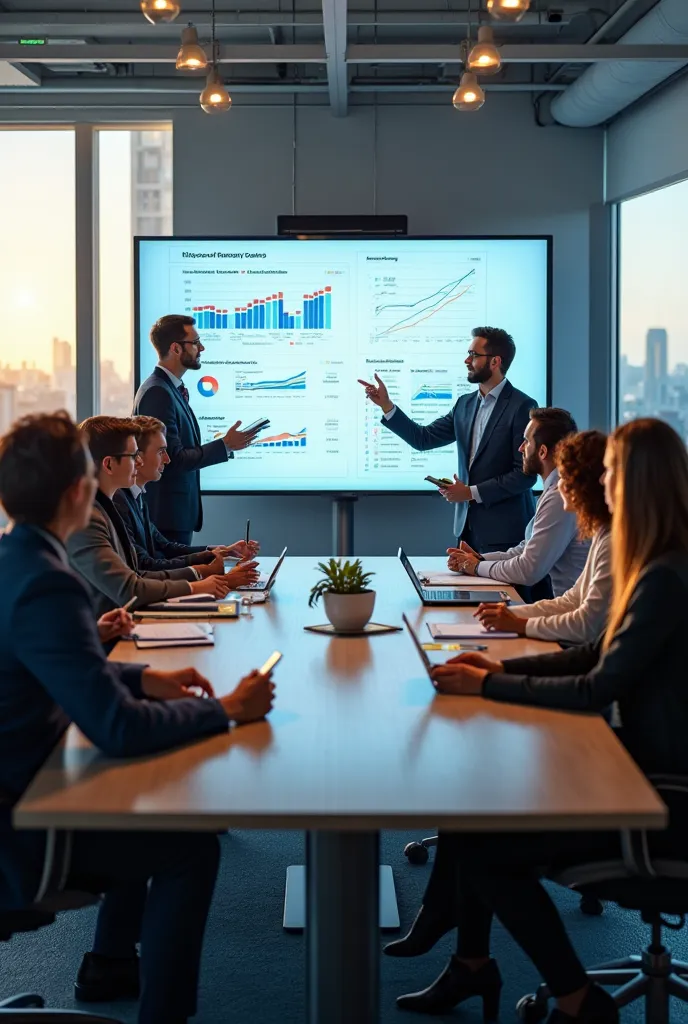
point(344, 590)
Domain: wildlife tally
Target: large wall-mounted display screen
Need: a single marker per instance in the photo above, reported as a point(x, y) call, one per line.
point(290, 325)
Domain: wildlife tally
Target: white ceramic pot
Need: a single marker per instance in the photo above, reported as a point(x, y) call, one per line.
point(349, 612)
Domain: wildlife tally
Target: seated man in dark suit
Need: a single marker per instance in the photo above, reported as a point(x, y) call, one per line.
point(153, 550)
point(175, 501)
point(102, 552)
point(53, 672)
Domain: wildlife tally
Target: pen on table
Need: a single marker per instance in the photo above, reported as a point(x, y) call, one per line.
point(248, 529)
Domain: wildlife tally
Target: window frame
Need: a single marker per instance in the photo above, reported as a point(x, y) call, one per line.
point(87, 250)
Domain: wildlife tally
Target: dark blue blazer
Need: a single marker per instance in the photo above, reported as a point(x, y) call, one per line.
point(154, 552)
point(175, 501)
point(499, 521)
point(53, 671)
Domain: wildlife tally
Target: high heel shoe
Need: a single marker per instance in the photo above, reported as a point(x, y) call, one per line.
point(598, 1007)
point(455, 984)
point(425, 932)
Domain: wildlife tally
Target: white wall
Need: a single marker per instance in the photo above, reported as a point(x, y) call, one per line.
point(494, 172)
point(648, 146)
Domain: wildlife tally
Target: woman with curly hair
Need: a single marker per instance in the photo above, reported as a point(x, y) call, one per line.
point(579, 615)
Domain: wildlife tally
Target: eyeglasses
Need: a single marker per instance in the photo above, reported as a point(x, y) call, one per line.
point(127, 455)
point(188, 341)
point(478, 355)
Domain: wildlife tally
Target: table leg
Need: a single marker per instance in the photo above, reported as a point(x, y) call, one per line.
point(342, 954)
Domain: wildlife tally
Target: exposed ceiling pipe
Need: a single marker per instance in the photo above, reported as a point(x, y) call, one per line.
point(173, 86)
point(605, 89)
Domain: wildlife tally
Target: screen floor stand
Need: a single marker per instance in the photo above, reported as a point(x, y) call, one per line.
point(343, 525)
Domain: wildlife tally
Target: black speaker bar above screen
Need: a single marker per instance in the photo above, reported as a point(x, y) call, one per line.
point(324, 226)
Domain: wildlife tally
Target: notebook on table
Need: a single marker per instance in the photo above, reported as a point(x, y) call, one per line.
point(466, 631)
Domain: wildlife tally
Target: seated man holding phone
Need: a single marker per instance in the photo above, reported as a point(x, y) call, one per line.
point(154, 551)
point(174, 501)
point(551, 546)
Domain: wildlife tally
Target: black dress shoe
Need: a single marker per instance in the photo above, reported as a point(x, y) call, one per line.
point(598, 1007)
point(102, 979)
point(455, 984)
point(425, 932)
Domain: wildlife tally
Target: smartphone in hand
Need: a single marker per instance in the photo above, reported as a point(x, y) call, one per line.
point(439, 482)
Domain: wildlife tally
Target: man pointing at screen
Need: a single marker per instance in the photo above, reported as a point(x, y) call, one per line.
point(492, 495)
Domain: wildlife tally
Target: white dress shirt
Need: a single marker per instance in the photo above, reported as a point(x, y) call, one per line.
point(486, 406)
point(579, 616)
point(551, 547)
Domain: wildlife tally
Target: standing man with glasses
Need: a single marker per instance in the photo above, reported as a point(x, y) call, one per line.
point(174, 502)
point(491, 493)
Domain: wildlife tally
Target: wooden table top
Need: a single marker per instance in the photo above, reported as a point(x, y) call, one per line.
point(358, 739)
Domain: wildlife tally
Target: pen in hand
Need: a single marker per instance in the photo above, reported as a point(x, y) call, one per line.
point(248, 529)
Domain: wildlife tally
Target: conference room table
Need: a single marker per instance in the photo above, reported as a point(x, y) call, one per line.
point(358, 741)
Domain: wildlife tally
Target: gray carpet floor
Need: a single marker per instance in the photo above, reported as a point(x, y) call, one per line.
point(254, 972)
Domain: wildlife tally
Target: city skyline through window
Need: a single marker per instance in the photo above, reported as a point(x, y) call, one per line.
point(653, 320)
point(38, 271)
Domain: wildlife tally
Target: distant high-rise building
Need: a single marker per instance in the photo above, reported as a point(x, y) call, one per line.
point(656, 368)
point(62, 355)
point(151, 182)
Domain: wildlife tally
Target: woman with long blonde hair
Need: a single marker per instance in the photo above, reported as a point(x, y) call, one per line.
point(639, 666)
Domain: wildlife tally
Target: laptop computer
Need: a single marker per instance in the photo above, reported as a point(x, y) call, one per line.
point(449, 595)
point(265, 582)
point(418, 645)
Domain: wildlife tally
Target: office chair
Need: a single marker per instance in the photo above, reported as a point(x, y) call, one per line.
point(417, 853)
point(657, 889)
point(29, 1008)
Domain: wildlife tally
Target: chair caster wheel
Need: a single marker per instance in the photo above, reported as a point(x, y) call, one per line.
point(531, 1010)
point(416, 853)
point(591, 906)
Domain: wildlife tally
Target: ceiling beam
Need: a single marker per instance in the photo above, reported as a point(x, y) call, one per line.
point(159, 85)
point(335, 30)
point(157, 54)
point(17, 75)
point(548, 53)
point(316, 53)
point(118, 24)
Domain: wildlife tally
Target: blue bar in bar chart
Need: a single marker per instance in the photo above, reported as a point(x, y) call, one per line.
point(328, 308)
point(261, 314)
point(243, 318)
point(298, 323)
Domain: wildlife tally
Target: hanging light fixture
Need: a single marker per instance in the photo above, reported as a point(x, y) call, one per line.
point(214, 99)
point(191, 56)
point(507, 10)
point(484, 58)
point(157, 11)
point(469, 95)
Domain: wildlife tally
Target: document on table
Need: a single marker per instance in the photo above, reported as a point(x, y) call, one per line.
point(173, 634)
point(432, 578)
point(466, 631)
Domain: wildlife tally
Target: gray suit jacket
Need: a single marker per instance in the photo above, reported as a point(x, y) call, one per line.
point(99, 556)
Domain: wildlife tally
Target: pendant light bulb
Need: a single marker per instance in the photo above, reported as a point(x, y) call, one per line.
point(191, 56)
point(507, 10)
point(215, 99)
point(469, 95)
point(484, 58)
point(157, 11)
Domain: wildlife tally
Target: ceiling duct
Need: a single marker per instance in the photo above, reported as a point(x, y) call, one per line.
point(605, 89)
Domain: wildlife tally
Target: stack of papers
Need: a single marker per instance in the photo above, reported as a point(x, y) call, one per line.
point(174, 634)
point(466, 631)
point(432, 578)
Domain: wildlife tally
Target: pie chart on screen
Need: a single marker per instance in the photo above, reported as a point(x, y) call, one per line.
point(208, 386)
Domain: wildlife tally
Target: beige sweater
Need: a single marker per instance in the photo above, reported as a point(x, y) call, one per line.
point(580, 615)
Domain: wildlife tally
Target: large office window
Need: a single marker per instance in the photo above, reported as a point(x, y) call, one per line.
point(653, 313)
point(37, 273)
point(134, 198)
